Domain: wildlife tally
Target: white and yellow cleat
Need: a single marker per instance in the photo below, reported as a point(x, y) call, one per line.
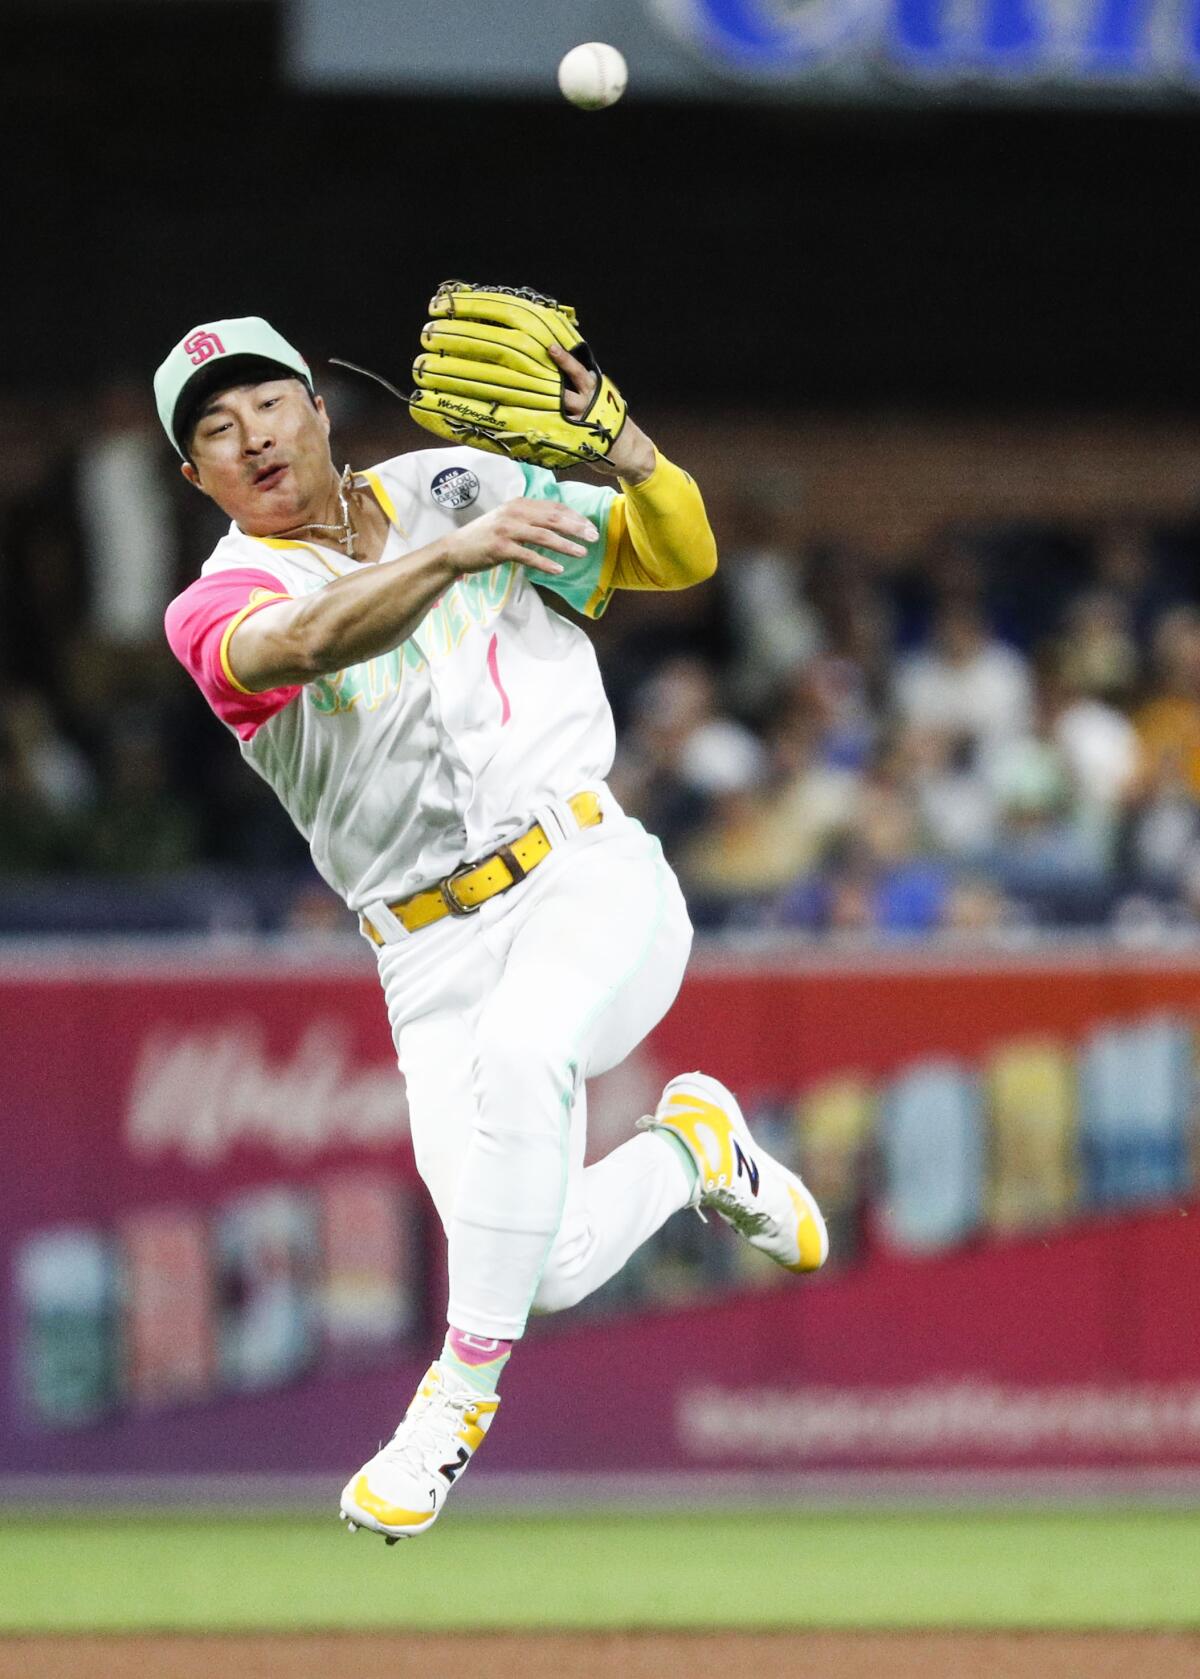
point(764, 1202)
point(400, 1492)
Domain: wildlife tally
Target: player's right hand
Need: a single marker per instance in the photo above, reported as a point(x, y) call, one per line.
point(516, 531)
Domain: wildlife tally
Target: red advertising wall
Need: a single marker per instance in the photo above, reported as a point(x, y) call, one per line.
point(215, 1257)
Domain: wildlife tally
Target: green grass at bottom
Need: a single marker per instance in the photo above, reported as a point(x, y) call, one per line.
point(777, 1569)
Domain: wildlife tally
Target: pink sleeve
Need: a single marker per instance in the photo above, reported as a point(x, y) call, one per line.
point(199, 623)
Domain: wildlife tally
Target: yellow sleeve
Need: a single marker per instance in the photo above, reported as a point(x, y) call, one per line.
point(658, 534)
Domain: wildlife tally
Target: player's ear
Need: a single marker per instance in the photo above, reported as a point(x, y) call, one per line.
point(318, 403)
point(192, 476)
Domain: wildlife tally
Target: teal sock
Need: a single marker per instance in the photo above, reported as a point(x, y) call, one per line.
point(684, 1155)
point(475, 1359)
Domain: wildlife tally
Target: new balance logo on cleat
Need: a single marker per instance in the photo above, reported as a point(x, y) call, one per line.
point(746, 1166)
point(452, 1470)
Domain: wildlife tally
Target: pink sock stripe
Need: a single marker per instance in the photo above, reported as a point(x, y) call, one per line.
point(474, 1350)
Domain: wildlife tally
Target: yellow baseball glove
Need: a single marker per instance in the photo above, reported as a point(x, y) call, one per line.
point(484, 377)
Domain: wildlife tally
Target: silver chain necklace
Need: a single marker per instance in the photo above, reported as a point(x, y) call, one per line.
point(344, 532)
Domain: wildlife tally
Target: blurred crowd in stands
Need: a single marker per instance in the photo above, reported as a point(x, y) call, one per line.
point(1002, 733)
point(997, 733)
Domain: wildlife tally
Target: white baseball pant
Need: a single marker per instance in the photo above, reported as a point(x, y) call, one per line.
point(498, 1018)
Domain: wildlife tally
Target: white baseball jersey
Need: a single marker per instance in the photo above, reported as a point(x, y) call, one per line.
point(398, 769)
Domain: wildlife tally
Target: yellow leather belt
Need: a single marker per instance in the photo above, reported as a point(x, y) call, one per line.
point(470, 887)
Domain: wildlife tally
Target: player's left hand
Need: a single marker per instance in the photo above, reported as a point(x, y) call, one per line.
point(632, 456)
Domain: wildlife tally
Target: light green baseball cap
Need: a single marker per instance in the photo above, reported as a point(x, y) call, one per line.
point(214, 356)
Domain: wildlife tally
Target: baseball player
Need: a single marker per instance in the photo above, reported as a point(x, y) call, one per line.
point(379, 643)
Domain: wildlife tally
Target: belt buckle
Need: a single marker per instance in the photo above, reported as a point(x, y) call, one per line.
point(450, 898)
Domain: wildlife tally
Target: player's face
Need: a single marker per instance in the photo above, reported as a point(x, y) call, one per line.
point(262, 453)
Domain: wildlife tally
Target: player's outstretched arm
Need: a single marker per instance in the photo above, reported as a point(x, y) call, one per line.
point(374, 610)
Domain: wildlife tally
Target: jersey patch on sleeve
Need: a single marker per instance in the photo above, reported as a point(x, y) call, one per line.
point(199, 624)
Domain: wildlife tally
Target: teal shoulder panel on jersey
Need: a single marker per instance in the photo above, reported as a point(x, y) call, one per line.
point(579, 583)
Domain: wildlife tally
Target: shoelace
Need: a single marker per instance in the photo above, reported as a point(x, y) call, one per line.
point(421, 1430)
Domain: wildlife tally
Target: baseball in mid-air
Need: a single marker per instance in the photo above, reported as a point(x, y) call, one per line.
point(593, 75)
